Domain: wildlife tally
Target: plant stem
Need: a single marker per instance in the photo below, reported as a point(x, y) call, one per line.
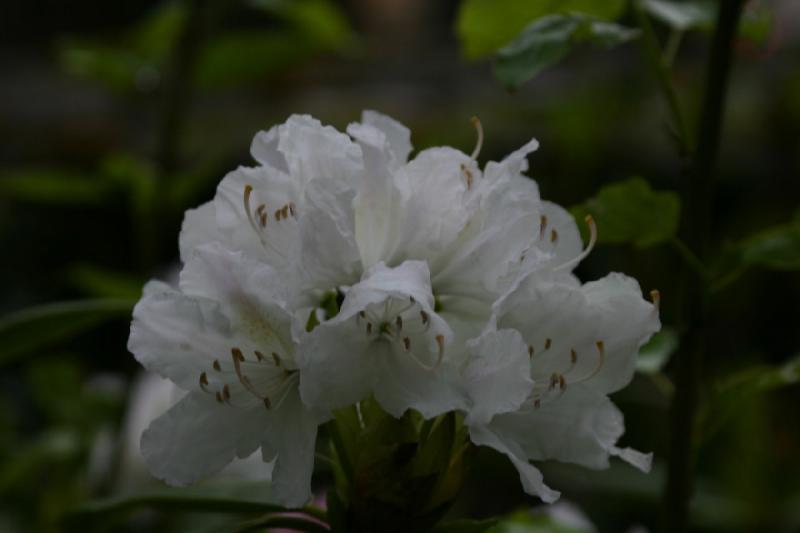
point(696, 230)
point(658, 64)
point(283, 522)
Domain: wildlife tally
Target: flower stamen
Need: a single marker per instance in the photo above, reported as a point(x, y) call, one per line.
point(586, 251)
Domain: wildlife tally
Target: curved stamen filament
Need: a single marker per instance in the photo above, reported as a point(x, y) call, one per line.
point(586, 251)
point(479, 144)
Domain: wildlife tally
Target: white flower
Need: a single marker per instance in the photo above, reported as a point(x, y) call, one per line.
point(225, 337)
point(582, 341)
point(337, 269)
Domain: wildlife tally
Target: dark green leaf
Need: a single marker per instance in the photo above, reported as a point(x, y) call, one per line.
point(654, 355)
point(484, 26)
point(756, 22)
point(240, 497)
point(54, 187)
point(548, 39)
point(735, 391)
point(466, 526)
point(631, 212)
point(776, 248)
point(38, 327)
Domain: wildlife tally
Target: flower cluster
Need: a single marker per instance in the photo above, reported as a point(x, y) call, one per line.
point(337, 270)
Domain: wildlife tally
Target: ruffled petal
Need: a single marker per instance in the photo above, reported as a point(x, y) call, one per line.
point(588, 334)
point(496, 377)
point(199, 227)
point(530, 476)
point(397, 135)
point(292, 439)
point(177, 336)
point(577, 425)
point(197, 437)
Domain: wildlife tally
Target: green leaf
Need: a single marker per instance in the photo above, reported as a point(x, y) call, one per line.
point(654, 355)
point(682, 16)
point(54, 187)
point(466, 526)
point(756, 23)
point(548, 39)
point(483, 26)
point(240, 497)
point(631, 212)
point(99, 282)
point(35, 328)
point(776, 248)
point(735, 391)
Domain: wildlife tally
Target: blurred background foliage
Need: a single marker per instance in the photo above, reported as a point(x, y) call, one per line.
point(118, 116)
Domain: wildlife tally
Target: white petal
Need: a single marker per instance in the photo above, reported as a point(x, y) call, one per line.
point(529, 475)
point(271, 188)
point(403, 383)
point(411, 279)
point(577, 426)
point(264, 149)
point(197, 437)
point(514, 163)
point(336, 366)
point(293, 440)
point(328, 253)
point(379, 204)
point(397, 135)
point(315, 151)
point(251, 294)
point(177, 336)
point(496, 377)
point(589, 334)
point(199, 227)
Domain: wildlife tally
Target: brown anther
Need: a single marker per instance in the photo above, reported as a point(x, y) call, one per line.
point(547, 343)
point(530, 351)
point(407, 343)
point(292, 210)
point(278, 215)
point(542, 226)
point(554, 380)
point(218, 396)
point(369, 328)
point(601, 347)
point(203, 380)
point(562, 383)
point(412, 300)
point(553, 235)
point(362, 314)
point(263, 220)
point(276, 359)
point(424, 316)
point(259, 356)
point(226, 392)
point(655, 296)
point(217, 366)
point(237, 355)
point(573, 356)
point(285, 211)
point(399, 323)
point(267, 403)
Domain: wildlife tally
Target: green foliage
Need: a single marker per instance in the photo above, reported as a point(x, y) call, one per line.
point(700, 15)
point(484, 26)
point(654, 355)
point(549, 39)
point(54, 187)
point(776, 248)
point(630, 212)
point(139, 58)
point(36, 328)
point(401, 473)
point(734, 392)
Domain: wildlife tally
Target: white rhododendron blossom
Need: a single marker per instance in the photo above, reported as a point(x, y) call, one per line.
point(337, 270)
